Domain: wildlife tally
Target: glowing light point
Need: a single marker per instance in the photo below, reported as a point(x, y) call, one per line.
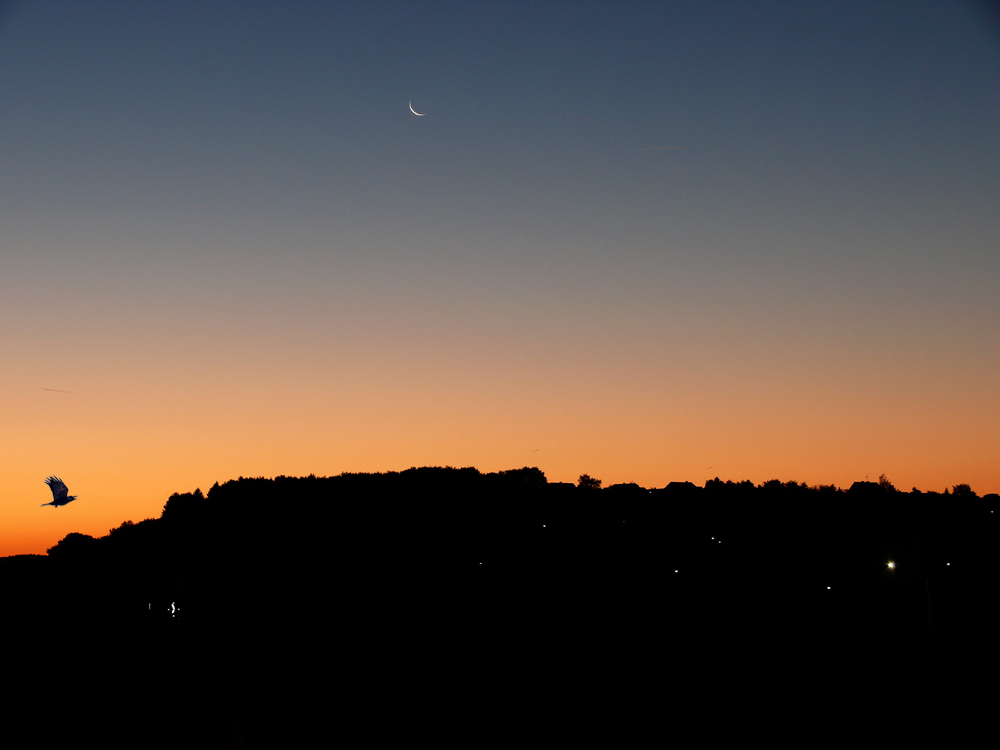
point(891, 565)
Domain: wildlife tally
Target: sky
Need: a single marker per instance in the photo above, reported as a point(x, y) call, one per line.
point(649, 242)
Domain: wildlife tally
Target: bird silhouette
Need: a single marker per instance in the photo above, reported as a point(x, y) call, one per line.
point(60, 492)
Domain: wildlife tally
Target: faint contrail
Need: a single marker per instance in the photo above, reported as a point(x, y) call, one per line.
point(56, 390)
point(655, 148)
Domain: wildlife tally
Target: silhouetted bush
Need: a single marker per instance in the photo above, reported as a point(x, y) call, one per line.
point(74, 545)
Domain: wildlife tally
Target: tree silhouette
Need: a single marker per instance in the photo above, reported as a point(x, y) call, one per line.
point(963, 490)
point(73, 545)
point(459, 558)
point(183, 508)
point(529, 476)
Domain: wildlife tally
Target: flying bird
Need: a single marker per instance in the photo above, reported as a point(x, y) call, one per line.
point(60, 492)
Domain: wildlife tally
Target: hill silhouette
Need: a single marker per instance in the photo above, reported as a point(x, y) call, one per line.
point(261, 611)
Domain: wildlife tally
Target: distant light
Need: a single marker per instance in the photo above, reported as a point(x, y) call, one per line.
point(543, 525)
point(677, 571)
point(892, 564)
point(827, 588)
point(947, 563)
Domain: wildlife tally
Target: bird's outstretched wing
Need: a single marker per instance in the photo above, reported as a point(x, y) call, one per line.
point(59, 490)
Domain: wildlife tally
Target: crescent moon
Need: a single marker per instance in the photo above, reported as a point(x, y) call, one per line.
point(415, 111)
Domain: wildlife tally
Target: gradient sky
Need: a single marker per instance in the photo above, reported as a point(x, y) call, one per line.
point(649, 242)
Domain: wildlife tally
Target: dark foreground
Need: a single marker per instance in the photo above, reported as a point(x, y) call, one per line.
point(450, 607)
